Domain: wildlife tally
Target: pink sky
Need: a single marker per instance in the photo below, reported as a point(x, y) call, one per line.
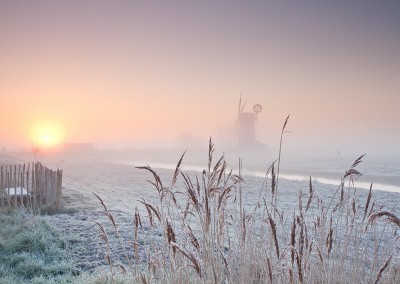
point(139, 73)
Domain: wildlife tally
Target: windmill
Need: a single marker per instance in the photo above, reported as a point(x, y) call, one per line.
point(245, 125)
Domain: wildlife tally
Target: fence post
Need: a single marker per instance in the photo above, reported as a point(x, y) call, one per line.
point(19, 185)
point(47, 185)
point(1, 187)
point(52, 184)
point(37, 182)
point(34, 191)
point(58, 187)
point(8, 184)
point(24, 186)
point(28, 197)
point(15, 184)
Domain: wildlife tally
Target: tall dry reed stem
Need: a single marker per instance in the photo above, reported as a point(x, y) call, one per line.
point(116, 230)
point(390, 216)
point(280, 149)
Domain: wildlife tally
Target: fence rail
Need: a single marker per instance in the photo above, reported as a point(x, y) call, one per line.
point(30, 185)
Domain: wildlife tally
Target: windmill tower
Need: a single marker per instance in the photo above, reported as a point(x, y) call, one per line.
point(245, 124)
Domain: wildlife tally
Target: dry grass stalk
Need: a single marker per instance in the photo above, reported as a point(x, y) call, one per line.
point(306, 240)
point(391, 217)
point(353, 174)
point(190, 190)
point(291, 280)
point(143, 278)
point(193, 239)
point(342, 194)
point(274, 234)
point(106, 212)
point(367, 202)
point(150, 208)
point(112, 219)
point(300, 201)
point(103, 236)
point(225, 261)
point(177, 170)
point(210, 154)
point(207, 219)
point(122, 268)
point(372, 208)
point(341, 198)
point(280, 151)
point(311, 195)
point(101, 201)
point(300, 222)
point(299, 268)
point(157, 184)
point(223, 196)
point(329, 238)
point(384, 267)
point(169, 232)
point(188, 255)
point(357, 161)
point(243, 227)
point(221, 226)
point(137, 220)
point(383, 205)
point(138, 223)
point(108, 258)
point(269, 269)
point(167, 191)
point(221, 176)
point(293, 238)
point(114, 224)
point(353, 206)
point(187, 210)
point(319, 253)
point(150, 215)
point(218, 170)
point(273, 180)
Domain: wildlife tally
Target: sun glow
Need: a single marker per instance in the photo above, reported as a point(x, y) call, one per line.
point(47, 135)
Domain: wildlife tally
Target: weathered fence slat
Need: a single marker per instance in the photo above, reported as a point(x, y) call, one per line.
point(1, 187)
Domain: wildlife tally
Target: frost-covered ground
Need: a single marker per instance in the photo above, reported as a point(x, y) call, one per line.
point(121, 186)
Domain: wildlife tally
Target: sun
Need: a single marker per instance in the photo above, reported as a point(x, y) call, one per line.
point(47, 135)
point(47, 140)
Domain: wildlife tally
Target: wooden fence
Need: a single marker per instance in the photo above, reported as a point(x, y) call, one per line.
point(30, 185)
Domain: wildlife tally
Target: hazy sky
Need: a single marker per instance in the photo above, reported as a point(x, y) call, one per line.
point(144, 72)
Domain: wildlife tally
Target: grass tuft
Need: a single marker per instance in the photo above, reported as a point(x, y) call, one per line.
point(31, 251)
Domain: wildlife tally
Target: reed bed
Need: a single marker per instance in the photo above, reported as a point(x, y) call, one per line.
point(200, 231)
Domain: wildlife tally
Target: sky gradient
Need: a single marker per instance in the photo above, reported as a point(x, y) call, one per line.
point(141, 73)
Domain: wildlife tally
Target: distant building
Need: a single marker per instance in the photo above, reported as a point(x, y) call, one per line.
point(79, 147)
point(246, 128)
point(246, 131)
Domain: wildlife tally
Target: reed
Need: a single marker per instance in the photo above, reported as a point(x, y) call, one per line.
point(208, 235)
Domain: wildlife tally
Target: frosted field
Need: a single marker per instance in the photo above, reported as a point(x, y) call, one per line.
point(122, 186)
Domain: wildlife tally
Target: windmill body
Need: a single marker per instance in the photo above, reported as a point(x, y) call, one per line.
point(246, 130)
point(245, 123)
